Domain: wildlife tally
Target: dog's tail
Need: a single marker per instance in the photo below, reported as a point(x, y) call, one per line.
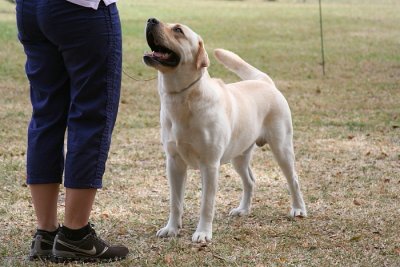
point(240, 67)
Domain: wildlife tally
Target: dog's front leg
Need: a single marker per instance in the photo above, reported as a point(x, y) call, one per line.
point(209, 179)
point(176, 172)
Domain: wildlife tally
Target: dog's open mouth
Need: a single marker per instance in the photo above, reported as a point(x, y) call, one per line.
point(160, 54)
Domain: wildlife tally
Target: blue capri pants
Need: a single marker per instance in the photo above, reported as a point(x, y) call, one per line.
point(73, 65)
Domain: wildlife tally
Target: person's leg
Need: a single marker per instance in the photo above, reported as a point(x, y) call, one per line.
point(91, 49)
point(78, 206)
point(49, 90)
point(93, 61)
point(44, 198)
point(95, 90)
point(90, 44)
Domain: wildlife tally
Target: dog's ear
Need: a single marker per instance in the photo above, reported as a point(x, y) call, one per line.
point(202, 60)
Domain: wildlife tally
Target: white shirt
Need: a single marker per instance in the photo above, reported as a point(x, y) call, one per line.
point(91, 3)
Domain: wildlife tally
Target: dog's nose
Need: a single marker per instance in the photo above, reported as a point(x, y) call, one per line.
point(152, 21)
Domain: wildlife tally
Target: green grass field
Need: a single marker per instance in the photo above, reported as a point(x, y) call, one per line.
point(347, 140)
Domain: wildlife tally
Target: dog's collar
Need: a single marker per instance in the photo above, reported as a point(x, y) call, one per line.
point(187, 87)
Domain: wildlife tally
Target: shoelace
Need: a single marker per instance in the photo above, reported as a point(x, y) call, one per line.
point(93, 232)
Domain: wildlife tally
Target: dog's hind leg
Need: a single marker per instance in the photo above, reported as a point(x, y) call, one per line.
point(242, 167)
point(281, 145)
point(177, 173)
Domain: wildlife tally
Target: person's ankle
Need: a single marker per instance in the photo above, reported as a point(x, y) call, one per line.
point(50, 233)
point(48, 227)
point(75, 234)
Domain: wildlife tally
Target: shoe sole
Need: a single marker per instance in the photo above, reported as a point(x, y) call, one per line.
point(40, 258)
point(56, 259)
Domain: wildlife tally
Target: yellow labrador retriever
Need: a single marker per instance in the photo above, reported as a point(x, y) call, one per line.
point(206, 123)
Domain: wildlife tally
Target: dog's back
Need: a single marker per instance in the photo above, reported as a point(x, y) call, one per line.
point(240, 67)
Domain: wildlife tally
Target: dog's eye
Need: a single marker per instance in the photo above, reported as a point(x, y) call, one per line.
point(178, 30)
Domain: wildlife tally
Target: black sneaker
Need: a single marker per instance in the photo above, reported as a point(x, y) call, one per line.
point(42, 245)
point(90, 248)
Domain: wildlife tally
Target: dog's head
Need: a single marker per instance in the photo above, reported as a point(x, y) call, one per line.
point(174, 46)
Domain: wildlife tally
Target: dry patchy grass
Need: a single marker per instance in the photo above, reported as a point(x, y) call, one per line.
point(346, 139)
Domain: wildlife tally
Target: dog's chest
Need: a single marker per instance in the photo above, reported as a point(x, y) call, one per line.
point(192, 131)
point(185, 151)
point(182, 139)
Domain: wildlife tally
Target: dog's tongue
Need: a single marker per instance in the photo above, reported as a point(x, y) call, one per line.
point(159, 55)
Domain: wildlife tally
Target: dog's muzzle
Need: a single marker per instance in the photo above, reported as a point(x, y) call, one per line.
point(160, 54)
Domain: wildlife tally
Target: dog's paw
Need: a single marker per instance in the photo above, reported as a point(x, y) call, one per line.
point(239, 212)
point(202, 236)
point(168, 231)
point(298, 212)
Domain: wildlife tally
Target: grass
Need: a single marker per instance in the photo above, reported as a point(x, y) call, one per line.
point(347, 140)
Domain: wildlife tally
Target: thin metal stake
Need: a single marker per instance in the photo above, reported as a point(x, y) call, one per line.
point(322, 39)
